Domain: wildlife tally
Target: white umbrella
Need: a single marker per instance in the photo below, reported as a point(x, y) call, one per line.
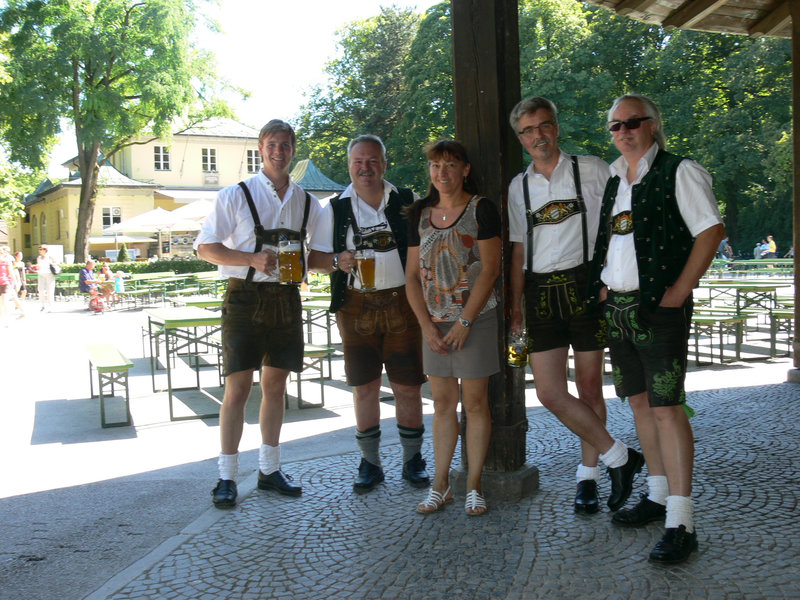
point(152, 221)
point(196, 211)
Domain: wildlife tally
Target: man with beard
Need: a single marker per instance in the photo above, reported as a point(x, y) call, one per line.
point(377, 326)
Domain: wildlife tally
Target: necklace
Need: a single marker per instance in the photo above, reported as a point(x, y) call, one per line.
point(278, 189)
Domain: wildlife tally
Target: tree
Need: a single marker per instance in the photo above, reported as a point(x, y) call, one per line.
point(115, 68)
point(15, 182)
point(363, 92)
point(122, 255)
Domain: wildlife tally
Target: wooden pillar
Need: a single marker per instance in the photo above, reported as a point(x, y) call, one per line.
point(486, 87)
point(794, 7)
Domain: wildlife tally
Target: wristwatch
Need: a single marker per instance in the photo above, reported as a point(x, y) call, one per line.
point(464, 322)
point(335, 262)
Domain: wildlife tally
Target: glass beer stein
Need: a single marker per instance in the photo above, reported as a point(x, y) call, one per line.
point(365, 263)
point(290, 267)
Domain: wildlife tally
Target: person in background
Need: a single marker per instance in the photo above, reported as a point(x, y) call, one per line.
point(454, 247)
point(21, 269)
point(664, 228)
point(46, 278)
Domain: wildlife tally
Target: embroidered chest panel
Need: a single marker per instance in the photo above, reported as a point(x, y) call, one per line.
point(554, 212)
point(622, 223)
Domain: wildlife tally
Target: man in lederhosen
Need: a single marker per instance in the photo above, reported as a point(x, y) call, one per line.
point(261, 318)
point(553, 211)
point(660, 228)
point(377, 326)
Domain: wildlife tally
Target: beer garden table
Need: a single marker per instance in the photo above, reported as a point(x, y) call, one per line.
point(183, 328)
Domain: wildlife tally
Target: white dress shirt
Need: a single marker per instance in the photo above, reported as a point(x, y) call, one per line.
point(230, 222)
point(389, 271)
point(559, 246)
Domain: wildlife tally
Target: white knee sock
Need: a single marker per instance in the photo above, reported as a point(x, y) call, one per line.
point(657, 488)
point(269, 458)
point(680, 511)
point(583, 473)
point(616, 456)
point(228, 465)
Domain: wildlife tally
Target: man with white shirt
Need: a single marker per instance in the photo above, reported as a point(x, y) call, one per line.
point(261, 318)
point(553, 209)
point(377, 326)
point(659, 230)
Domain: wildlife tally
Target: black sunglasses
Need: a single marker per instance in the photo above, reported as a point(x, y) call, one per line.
point(633, 123)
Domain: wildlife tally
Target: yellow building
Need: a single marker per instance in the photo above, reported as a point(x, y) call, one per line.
point(192, 165)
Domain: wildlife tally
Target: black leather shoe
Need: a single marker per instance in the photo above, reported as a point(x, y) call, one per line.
point(644, 512)
point(622, 479)
point(369, 476)
point(676, 546)
point(586, 500)
point(414, 472)
point(279, 482)
point(224, 495)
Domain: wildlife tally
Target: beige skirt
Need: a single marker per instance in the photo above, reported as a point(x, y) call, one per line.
point(477, 359)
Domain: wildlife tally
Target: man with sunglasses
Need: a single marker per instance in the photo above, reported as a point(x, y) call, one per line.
point(659, 230)
point(553, 211)
point(376, 323)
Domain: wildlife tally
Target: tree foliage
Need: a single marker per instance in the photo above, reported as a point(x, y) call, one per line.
point(116, 69)
point(15, 183)
point(726, 99)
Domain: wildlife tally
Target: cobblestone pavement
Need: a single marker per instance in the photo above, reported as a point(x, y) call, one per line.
point(331, 543)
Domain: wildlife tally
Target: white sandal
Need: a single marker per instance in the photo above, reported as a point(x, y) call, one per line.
point(435, 501)
point(475, 504)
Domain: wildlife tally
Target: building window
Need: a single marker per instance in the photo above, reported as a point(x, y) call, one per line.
point(43, 229)
point(253, 161)
point(210, 160)
point(27, 240)
point(161, 158)
point(111, 216)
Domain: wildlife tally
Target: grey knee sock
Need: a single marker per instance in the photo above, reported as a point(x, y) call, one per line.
point(411, 440)
point(369, 442)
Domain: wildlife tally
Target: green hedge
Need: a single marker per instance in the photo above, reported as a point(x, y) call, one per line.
point(194, 265)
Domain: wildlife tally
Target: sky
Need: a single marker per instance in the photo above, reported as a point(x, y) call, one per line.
point(277, 49)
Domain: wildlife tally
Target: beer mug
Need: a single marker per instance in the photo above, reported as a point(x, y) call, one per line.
point(518, 348)
point(290, 267)
point(365, 263)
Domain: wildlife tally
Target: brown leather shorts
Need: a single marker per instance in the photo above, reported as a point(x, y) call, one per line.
point(262, 325)
point(377, 329)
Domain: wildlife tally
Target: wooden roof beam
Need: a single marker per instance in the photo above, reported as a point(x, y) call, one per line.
point(627, 7)
point(774, 22)
point(692, 12)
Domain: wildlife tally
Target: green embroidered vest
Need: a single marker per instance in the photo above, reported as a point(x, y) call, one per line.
point(662, 240)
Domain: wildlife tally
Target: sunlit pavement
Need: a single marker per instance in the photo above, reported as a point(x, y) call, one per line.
point(126, 512)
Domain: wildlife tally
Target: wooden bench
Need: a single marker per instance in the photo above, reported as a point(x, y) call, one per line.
point(112, 367)
point(709, 324)
point(781, 321)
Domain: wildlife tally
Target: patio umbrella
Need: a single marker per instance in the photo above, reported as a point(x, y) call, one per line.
point(196, 211)
point(152, 221)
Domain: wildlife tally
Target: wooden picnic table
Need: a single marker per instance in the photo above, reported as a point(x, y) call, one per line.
point(184, 330)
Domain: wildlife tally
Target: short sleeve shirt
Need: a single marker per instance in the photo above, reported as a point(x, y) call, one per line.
point(557, 237)
point(230, 222)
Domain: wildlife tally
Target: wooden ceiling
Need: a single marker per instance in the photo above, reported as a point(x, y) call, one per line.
point(748, 17)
